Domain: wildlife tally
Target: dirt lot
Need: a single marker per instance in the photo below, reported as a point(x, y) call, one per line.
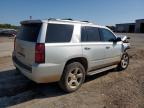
point(6, 45)
point(4, 39)
point(111, 89)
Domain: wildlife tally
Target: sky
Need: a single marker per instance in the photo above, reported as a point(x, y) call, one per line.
point(103, 12)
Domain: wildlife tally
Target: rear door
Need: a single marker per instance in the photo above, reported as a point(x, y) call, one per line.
point(25, 42)
point(112, 49)
point(92, 47)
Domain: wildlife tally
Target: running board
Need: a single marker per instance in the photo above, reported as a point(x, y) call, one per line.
point(101, 70)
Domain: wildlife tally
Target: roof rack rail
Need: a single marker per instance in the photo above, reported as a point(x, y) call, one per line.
point(52, 19)
point(86, 21)
point(67, 19)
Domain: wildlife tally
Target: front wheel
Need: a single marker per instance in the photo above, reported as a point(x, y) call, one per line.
point(73, 77)
point(124, 61)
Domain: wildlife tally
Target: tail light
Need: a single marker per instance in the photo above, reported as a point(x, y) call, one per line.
point(39, 53)
point(14, 43)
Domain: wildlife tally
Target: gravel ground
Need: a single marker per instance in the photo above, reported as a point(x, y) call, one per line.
point(6, 46)
point(111, 89)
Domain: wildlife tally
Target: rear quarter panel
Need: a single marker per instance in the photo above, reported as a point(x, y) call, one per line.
point(60, 53)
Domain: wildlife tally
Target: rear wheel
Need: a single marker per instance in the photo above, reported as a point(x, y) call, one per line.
point(124, 61)
point(73, 77)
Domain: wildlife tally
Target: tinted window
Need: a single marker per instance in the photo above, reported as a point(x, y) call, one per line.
point(83, 34)
point(59, 33)
point(29, 32)
point(90, 34)
point(107, 35)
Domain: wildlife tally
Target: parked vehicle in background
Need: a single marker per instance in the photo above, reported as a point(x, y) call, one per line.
point(8, 32)
point(67, 51)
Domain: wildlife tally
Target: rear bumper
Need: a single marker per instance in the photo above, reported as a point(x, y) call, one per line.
point(40, 73)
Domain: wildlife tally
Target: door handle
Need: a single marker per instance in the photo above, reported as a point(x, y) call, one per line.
point(107, 47)
point(86, 48)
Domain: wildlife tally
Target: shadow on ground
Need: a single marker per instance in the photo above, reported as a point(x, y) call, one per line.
point(16, 89)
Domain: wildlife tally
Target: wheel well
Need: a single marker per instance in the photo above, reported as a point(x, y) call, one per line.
point(81, 60)
point(125, 50)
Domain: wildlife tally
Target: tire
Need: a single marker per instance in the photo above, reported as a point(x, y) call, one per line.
point(124, 62)
point(73, 77)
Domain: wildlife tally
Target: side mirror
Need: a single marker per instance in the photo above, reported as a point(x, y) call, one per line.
point(118, 39)
point(115, 40)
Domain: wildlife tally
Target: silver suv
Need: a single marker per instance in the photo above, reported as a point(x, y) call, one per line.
point(66, 51)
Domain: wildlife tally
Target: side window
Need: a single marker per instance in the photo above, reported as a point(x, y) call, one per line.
point(57, 33)
point(106, 35)
point(90, 34)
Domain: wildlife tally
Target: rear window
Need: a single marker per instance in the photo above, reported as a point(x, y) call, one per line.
point(90, 34)
point(29, 32)
point(57, 33)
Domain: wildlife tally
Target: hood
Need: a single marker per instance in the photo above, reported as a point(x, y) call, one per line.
point(126, 44)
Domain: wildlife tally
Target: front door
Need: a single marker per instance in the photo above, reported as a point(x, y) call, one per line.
point(112, 49)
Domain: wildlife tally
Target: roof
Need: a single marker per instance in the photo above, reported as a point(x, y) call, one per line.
point(58, 20)
point(69, 21)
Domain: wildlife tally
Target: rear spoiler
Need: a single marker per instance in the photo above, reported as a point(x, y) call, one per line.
point(30, 21)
